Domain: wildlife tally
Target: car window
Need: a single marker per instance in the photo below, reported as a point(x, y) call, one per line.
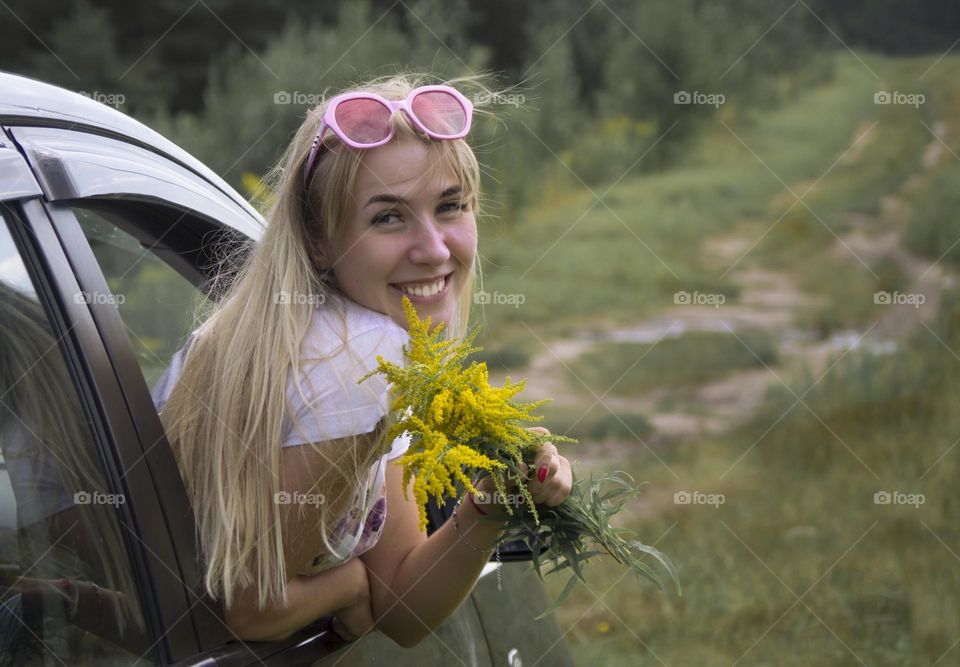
point(155, 301)
point(67, 594)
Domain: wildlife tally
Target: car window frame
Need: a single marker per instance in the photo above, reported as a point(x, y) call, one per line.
point(92, 377)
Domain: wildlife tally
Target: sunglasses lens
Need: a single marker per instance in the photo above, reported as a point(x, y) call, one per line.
point(440, 112)
point(363, 121)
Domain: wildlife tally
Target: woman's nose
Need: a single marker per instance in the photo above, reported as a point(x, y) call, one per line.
point(430, 244)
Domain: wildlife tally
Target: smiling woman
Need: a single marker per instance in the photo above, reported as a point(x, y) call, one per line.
point(284, 456)
point(413, 231)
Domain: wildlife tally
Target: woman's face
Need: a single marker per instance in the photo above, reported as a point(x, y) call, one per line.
point(408, 234)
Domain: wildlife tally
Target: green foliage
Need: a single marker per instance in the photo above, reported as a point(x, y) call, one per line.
point(580, 529)
point(255, 101)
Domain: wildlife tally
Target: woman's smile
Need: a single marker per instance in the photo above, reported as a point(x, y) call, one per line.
point(425, 292)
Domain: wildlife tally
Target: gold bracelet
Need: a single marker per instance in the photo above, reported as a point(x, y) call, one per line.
point(456, 525)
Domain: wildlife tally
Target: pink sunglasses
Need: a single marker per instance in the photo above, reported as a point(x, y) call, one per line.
point(362, 120)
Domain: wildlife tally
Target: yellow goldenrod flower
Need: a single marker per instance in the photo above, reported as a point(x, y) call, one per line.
point(461, 427)
point(458, 423)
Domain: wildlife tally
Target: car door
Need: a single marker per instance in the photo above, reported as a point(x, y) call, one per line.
point(143, 234)
point(84, 578)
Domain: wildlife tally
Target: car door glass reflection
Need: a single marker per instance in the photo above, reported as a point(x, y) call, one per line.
point(66, 590)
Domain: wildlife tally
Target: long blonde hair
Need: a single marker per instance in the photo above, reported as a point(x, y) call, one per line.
point(225, 416)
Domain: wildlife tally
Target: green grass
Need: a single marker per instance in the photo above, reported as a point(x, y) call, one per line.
point(624, 250)
point(933, 228)
point(691, 359)
point(595, 424)
point(878, 582)
point(892, 141)
point(573, 256)
point(799, 514)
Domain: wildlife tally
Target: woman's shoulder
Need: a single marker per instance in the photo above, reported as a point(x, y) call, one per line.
point(343, 323)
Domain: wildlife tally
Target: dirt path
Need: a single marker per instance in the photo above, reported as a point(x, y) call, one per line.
point(769, 302)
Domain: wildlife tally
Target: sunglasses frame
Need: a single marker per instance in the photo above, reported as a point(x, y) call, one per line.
point(329, 120)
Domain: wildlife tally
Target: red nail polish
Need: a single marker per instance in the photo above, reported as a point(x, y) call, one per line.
point(541, 473)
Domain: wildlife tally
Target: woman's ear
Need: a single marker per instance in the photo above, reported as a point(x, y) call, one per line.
point(318, 251)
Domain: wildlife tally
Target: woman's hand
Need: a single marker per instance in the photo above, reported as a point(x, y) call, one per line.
point(356, 619)
point(552, 477)
point(550, 483)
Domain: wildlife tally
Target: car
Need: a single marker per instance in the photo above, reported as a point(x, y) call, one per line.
point(109, 237)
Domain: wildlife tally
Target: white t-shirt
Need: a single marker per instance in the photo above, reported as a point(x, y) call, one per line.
point(340, 347)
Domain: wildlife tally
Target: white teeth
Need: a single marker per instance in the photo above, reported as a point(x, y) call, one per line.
point(428, 290)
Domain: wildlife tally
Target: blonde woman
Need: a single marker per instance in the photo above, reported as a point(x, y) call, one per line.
point(299, 512)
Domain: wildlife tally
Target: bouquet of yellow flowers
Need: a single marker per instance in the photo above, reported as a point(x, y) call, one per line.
point(461, 428)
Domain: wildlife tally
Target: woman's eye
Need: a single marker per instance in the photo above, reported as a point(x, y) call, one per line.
point(384, 217)
point(453, 206)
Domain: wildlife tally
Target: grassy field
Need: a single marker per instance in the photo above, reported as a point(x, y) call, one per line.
point(624, 251)
point(802, 563)
point(691, 359)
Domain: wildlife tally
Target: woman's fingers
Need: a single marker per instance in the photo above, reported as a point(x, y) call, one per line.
point(553, 478)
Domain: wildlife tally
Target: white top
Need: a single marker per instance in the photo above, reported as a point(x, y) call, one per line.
point(329, 404)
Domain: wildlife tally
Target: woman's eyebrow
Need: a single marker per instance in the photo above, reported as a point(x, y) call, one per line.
point(452, 190)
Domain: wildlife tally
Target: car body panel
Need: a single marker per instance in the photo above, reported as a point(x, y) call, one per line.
point(16, 178)
point(76, 165)
point(26, 101)
point(512, 642)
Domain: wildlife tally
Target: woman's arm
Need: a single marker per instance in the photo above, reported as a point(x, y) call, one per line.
point(308, 597)
point(415, 582)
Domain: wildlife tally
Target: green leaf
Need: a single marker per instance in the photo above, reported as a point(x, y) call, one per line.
point(564, 594)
